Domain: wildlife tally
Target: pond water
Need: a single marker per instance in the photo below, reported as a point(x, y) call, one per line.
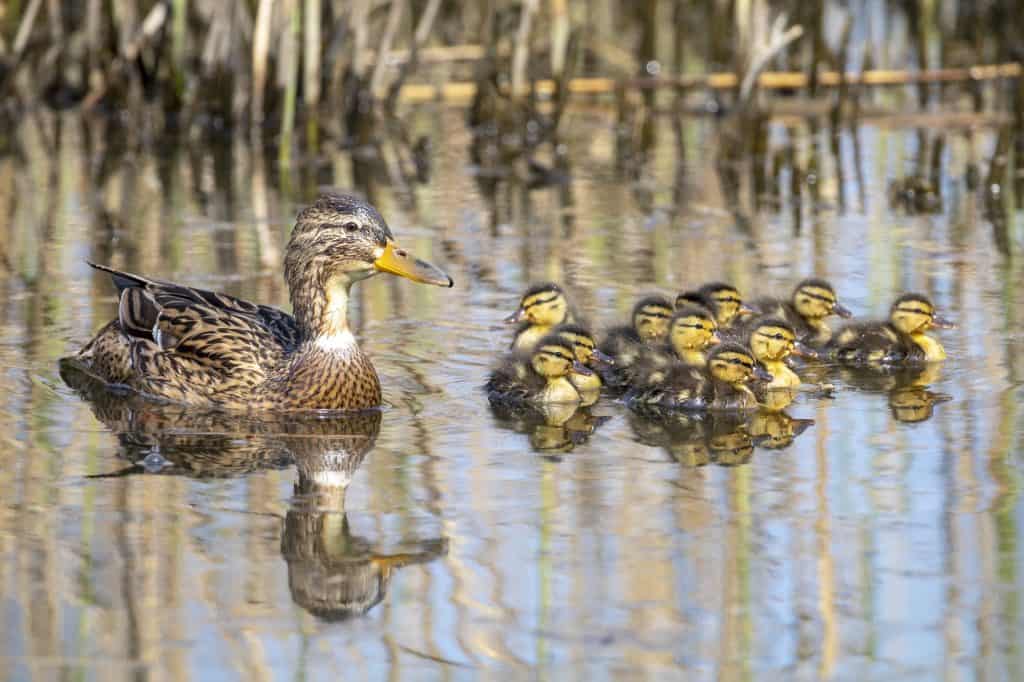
point(435, 540)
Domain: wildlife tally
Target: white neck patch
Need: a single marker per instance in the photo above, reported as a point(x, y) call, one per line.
point(340, 342)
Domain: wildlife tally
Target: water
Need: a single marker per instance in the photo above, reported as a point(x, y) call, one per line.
point(437, 541)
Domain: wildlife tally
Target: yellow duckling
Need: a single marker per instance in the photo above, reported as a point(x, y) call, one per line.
point(724, 300)
point(772, 341)
point(542, 307)
point(540, 378)
point(813, 301)
point(587, 354)
point(902, 339)
point(201, 348)
point(691, 331)
point(722, 385)
point(625, 344)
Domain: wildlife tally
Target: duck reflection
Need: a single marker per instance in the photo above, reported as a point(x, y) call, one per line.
point(908, 388)
point(554, 427)
point(723, 438)
point(333, 573)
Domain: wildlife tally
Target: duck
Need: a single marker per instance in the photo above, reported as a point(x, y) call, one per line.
point(722, 299)
point(543, 307)
point(538, 378)
point(903, 339)
point(812, 301)
point(721, 385)
point(191, 346)
point(691, 331)
point(772, 341)
point(625, 344)
point(587, 354)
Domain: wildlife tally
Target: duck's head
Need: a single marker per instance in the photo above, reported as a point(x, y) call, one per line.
point(815, 299)
point(543, 305)
point(724, 300)
point(915, 314)
point(555, 357)
point(692, 328)
point(731, 363)
point(584, 348)
point(650, 317)
point(773, 340)
point(343, 238)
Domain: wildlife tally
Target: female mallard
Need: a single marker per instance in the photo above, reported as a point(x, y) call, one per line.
point(202, 348)
point(539, 378)
point(903, 339)
point(813, 301)
point(541, 308)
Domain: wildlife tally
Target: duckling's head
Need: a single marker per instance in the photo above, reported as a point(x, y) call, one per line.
point(650, 317)
point(725, 300)
point(815, 299)
point(915, 314)
point(543, 305)
point(584, 348)
point(731, 363)
point(773, 340)
point(555, 357)
point(692, 328)
point(339, 240)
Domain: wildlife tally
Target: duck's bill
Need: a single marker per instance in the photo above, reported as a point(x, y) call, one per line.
point(761, 374)
point(803, 350)
point(841, 310)
point(580, 368)
point(398, 261)
point(602, 357)
point(517, 316)
point(747, 309)
point(940, 322)
point(715, 339)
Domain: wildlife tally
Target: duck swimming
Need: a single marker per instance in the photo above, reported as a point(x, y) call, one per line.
point(587, 354)
point(901, 340)
point(724, 300)
point(772, 341)
point(202, 348)
point(539, 378)
point(541, 308)
point(813, 300)
point(691, 331)
point(626, 343)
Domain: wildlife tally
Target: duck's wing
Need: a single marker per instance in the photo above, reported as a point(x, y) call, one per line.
point(177, 329)
point(868, 343)
point(512, 383)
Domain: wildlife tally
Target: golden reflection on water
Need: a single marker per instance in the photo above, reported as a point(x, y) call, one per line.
point(881, 540)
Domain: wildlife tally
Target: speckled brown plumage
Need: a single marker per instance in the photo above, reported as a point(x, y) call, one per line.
point(202, 348)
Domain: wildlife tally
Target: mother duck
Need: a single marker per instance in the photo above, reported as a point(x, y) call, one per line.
point(203, 348)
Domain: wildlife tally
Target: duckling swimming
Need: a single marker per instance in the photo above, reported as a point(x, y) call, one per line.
point(539, 378)
point(625, 344)
point(772, 341)
point(541, 308)
point(200, 348)
point(724, 300)
point(722, 385)
point(902, 339)
point(813, 301)
point(691, 331)
point(587, 354)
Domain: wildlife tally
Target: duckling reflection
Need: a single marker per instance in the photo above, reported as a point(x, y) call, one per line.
point(776, 430)
point(554, 427)
point(333, 573)
point(908, 388)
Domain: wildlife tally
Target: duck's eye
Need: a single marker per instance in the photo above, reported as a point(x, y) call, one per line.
point(351, 226)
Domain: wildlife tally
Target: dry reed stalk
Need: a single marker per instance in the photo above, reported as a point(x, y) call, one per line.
point(521, 52)
point(25, 29)
point(290, 68)
point(311, 55)
point(179, 36)
point(260, 51)
point(390, 31)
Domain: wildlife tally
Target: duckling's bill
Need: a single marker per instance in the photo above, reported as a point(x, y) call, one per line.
point(398, 261)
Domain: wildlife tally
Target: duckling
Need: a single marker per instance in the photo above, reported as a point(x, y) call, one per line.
point(903, 339)
point(724, 300)
point(624, 344)
point(772, 341)
point(207, 349)
point(541, 308)
point(812, 301)
point(539, 378)
point(587, 354)
point(722, 385)
point(691, 331)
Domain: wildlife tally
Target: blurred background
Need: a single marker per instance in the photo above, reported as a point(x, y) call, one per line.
point(617, 147)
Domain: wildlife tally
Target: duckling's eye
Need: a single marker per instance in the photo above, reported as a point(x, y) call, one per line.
point(351, 226)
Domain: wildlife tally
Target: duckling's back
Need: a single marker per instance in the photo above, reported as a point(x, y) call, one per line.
point(873, 343)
